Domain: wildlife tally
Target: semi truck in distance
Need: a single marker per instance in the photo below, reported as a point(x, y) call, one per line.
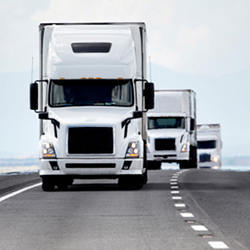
point(209, 145)
point(91, 99)
point(172, 129)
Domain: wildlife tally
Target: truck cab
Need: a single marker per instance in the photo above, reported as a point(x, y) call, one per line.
point(209, 146)
point(91, 98)
point(172, 129)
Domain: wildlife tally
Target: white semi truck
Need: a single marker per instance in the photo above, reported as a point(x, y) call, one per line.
point(209, 145)
point(172, 129)
point(92, 98)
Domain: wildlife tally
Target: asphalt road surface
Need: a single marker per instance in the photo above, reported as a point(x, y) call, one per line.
point(193, 209)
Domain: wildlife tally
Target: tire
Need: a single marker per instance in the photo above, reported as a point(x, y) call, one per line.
point(192, 163)
point(47, 184)
point(64, 183)
point(145, 177)
point(154, 165)
point(193, 157)
point(131, 182)
point(184, 164)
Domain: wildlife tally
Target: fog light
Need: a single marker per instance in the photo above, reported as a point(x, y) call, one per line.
point(54, 165)
point(126, 165)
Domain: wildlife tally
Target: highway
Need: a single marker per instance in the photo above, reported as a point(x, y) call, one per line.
point(190, 209)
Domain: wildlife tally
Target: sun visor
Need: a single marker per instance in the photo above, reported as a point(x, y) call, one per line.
point(77, 52)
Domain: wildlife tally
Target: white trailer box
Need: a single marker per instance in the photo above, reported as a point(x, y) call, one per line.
point(92, 98)
point(209, 145)
point(172, 129)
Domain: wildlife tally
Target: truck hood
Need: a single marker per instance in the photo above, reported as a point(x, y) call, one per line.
point(90, 115)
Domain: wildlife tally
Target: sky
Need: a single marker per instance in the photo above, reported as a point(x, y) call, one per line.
point(203, 45)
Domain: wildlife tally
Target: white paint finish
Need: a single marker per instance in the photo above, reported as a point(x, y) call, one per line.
point(218, 245)
point(187, 215)
point(175, 192)
point(177, 198)
point(5, 197)
point(174, 187)
point(179, 205)
point(199, 228)
point(121, 61)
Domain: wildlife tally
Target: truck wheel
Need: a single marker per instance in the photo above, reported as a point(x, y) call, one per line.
point(193, 160)
point(154, 165)
point(145, 177)
point(131, 182)
point(184, 164)
point(64, 183)
point(47, 184)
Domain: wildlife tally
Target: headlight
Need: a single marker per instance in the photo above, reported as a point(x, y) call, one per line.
point(48, 150)
point(215, 158)
point(184, 148)
point(133, 150)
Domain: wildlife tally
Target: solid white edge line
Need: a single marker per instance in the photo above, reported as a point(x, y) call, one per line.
point(5, 197)
point(218, 245)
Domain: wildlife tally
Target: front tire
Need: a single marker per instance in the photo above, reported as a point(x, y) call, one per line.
point(47, 184)
point(131, 182)
point(154, 165)
point(192, 162)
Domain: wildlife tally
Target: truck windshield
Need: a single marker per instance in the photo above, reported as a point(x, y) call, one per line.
point(166, 122)
point(207, 144)
point(90, 93)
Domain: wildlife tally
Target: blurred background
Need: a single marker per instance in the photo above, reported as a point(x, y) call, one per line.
point(199, 45)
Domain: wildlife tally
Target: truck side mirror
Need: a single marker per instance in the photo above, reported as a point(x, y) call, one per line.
point(33, 96)
point(149, 95)
point(192, 124)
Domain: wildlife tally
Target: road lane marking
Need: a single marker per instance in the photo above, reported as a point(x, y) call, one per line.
point(179, 205)
point(174, 187)
point(218, 245)
point(199, 228)
point(5, 197)
point(187, 215)
point(175, 192)
point(174, 179)
point(177, 198)
point(173, 183)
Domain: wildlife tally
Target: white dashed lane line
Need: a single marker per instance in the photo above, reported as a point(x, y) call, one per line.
point(197, 228)
point(187, 215)
point(176, 197)
point(180, 205)
point(218, 245)
point(175, 192)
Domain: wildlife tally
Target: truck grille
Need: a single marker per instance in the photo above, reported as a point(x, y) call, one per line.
point(205, 157)
point(90, 140)
point(165, 144)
